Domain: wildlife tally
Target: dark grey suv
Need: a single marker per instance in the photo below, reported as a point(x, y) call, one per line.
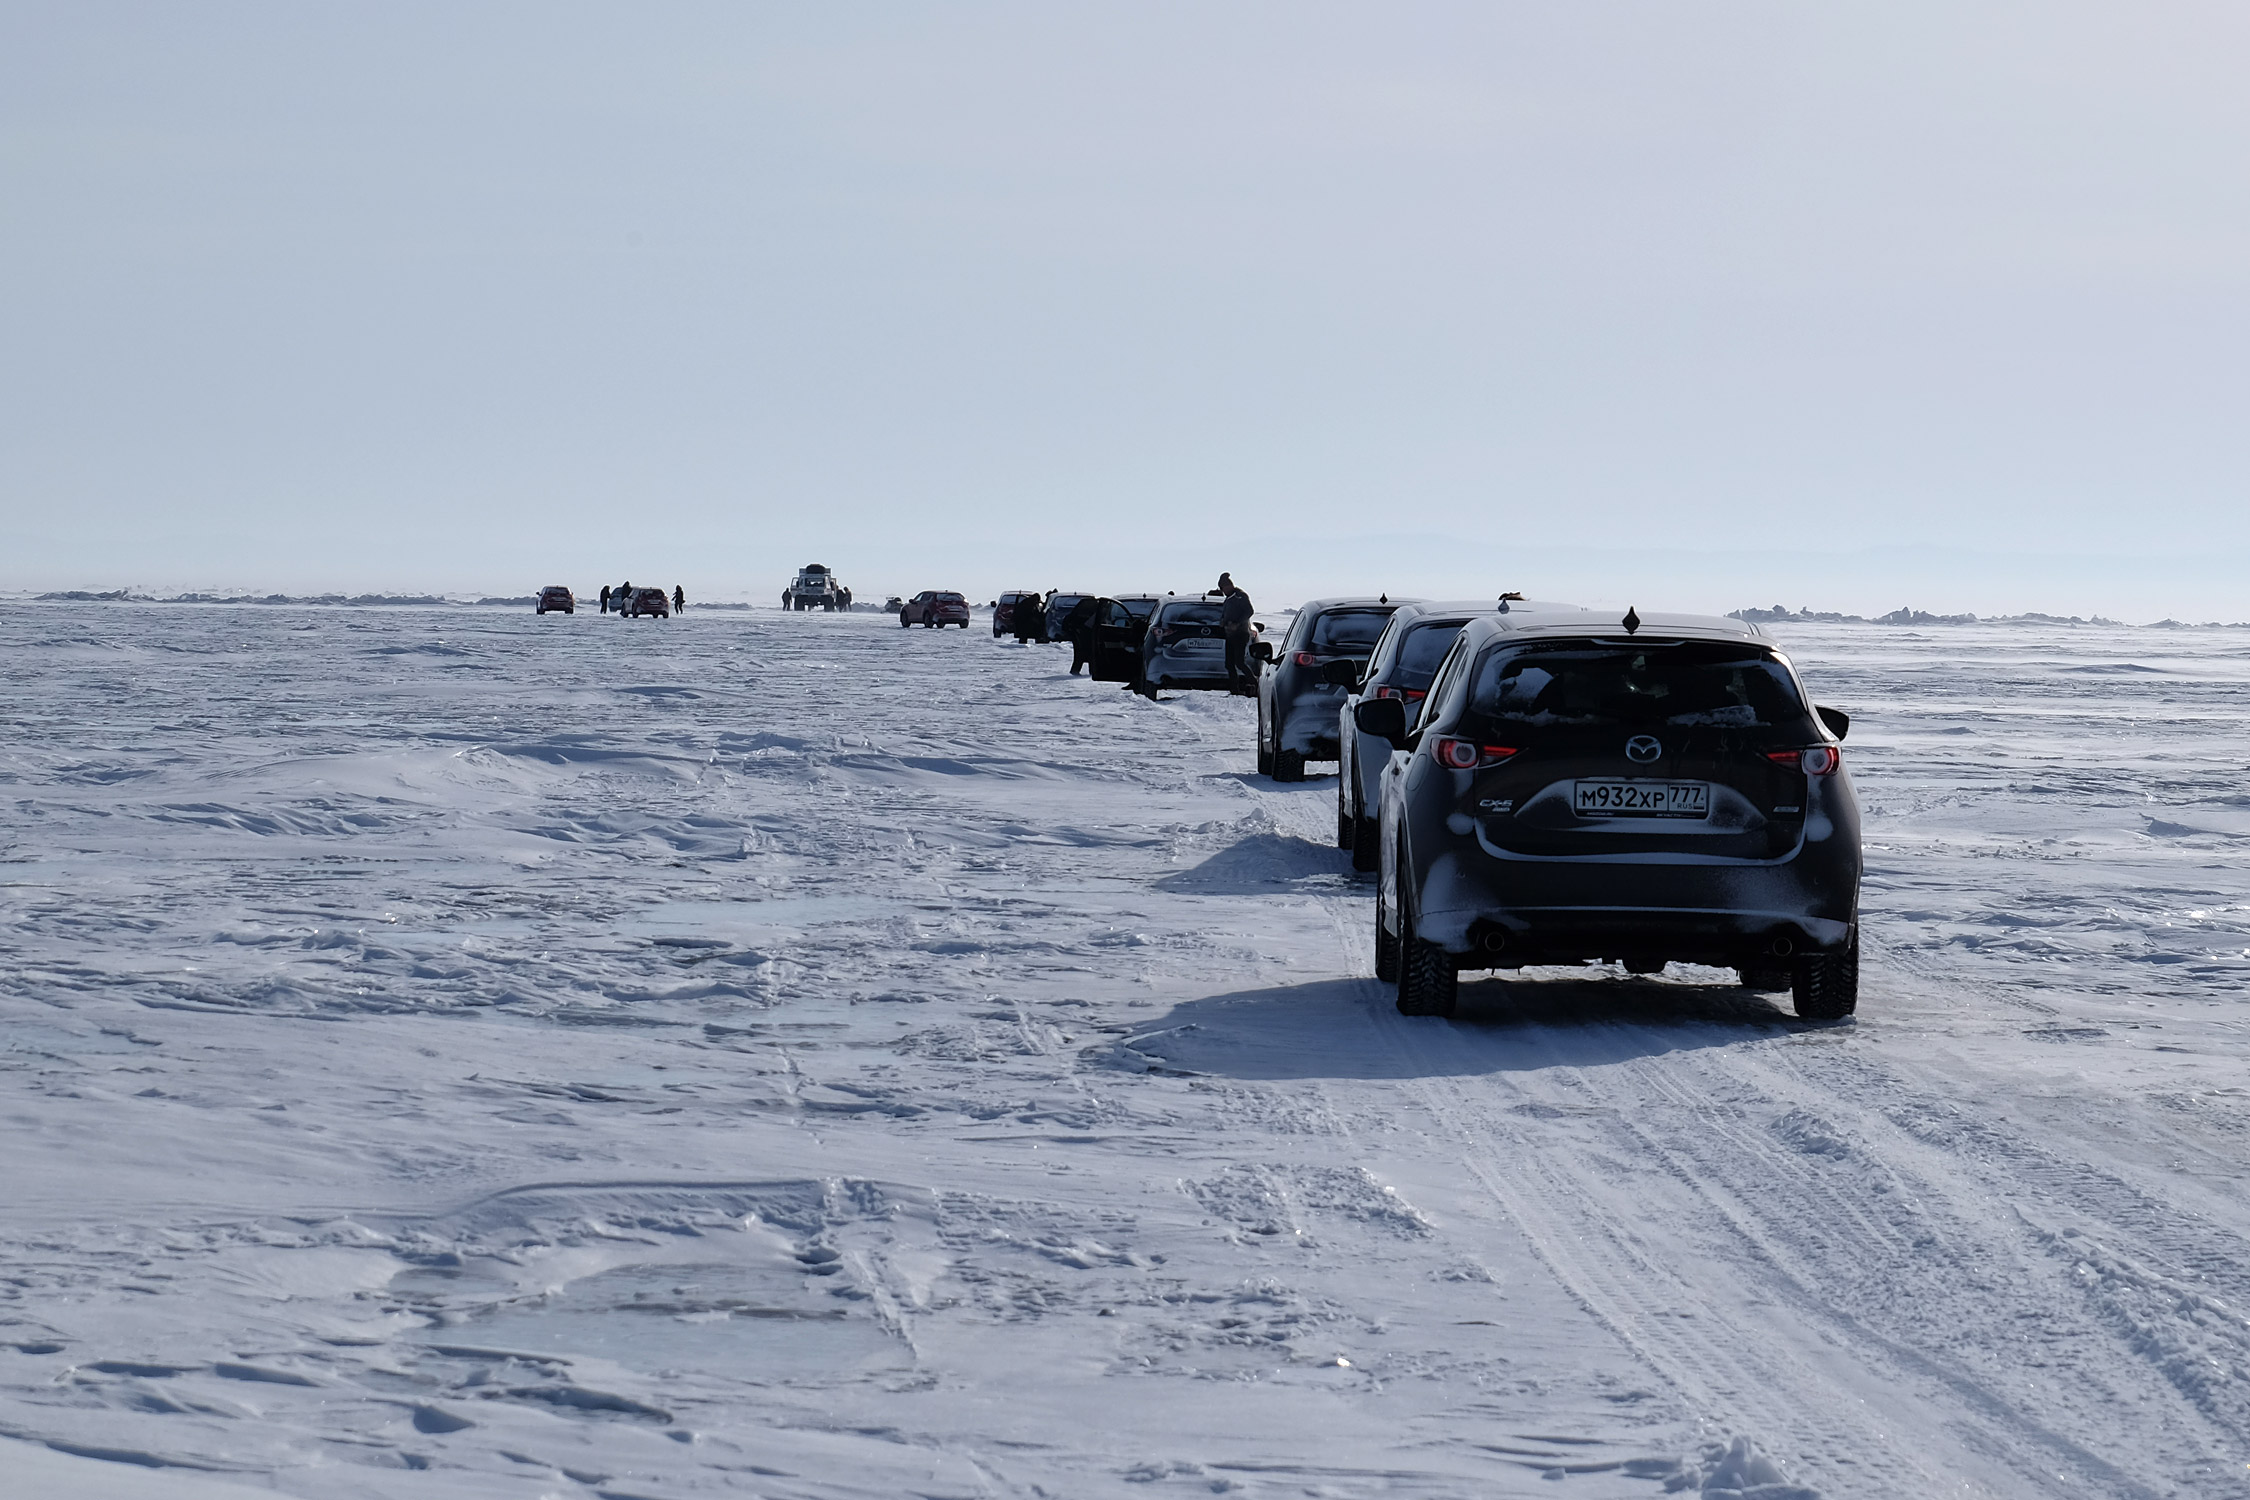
point(1406, 658)
point(1302, 690)
point(1582, 788)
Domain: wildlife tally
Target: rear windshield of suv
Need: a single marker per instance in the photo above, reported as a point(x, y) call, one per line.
point(1191, 614)
point(1419, 654)
point(1688, 683)
point(1351, 632)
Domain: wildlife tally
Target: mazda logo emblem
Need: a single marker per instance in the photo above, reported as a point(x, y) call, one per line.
point(1643, 747)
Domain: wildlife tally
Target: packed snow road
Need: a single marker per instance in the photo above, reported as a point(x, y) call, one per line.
point(464, 1054)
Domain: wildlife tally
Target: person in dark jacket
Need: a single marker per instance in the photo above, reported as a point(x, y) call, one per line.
point(605, 598)
point(1030, 618)
point(1078, 629)
point(679, 598)
point(1234, 623)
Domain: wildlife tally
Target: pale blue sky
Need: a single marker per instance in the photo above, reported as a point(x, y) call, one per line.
point(1852, 305)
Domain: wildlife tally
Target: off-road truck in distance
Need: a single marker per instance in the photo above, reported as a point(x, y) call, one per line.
point(816, 588)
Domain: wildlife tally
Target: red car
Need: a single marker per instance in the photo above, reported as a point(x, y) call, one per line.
point(934, 609)
point(555, 597)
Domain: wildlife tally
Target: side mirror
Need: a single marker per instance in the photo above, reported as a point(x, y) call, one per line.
point(1343, 673)
point(1261, 651)
point(1839, 723)
point(1384, 718)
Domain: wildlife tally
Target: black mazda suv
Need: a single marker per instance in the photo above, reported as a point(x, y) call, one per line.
point(1581, 788)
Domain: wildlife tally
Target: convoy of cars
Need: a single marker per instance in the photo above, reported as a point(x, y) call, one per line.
point(1530, 784)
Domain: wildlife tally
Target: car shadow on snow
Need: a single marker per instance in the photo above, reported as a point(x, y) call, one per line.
point(1346, 1028)
point(1314, 782)
point(1263, 863)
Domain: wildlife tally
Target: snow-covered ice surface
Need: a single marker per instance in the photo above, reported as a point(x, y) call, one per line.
point(483, 1056)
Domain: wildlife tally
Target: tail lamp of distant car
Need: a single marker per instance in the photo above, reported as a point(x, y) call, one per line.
point(1306, 659)
point(1468, 755)
point(1407, 695)
point(1819, 760)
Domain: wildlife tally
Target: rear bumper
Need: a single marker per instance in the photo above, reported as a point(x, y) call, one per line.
point(1728, 915)
point(1311, 722)
point(1185, 668)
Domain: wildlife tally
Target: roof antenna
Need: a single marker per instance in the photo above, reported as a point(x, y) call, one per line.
point(1385, 599)
point(1632, 620)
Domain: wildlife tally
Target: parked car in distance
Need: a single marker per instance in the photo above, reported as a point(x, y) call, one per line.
point(1183, 645)
point(1579, 788)
point(555, 599)
point(1059, 607)
point(1004, 611)
point(1405, 658)
point(934, 609)
point(1301, 692)
point(648, 602)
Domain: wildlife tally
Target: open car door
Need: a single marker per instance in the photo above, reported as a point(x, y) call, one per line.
point(1117, 642)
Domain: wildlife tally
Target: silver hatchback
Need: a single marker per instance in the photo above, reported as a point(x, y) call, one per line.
point(1185, 646)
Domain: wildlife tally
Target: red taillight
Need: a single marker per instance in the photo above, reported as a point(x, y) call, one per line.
point(1820, 760)
point(1306, 659)
point(1416, 695)
point(1385, 692)
point(1468, 755)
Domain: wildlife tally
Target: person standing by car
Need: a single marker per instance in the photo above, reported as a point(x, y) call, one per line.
point(679, 598)
point(1030, 614)
point(1078, 629)
point(1234, 622)
point(605, 598)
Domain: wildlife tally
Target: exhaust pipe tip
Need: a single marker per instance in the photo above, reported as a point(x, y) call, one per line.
point(1781, 947)
point(1495, 939)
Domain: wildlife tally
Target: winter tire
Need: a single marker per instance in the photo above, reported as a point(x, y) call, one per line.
point(1825, 986)
point(1345, 826)
point(1427, 981)
point(1288, 765)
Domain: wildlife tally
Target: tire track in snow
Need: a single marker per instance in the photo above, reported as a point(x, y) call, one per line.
point(1747, 1383)
point(1905, 1411)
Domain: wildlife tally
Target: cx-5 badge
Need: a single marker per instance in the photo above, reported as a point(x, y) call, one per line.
point(1643, 747)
